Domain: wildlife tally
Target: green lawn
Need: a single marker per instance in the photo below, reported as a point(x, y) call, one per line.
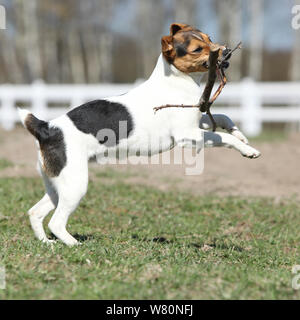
point(140, 243)
point(5, 164)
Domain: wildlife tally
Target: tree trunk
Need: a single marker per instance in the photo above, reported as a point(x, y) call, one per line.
point(105, 61)
point(256, 39)
point(150, 25)
point(229, 16)
point(185, 12)
point(76, 57)
point(31, 39)
point(295, 59)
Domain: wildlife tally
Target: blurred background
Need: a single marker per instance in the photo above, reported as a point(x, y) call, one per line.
point(100, 42)
point(55, 55)
point(94, 41)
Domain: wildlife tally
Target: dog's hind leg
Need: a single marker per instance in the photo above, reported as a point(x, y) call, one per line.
point(40, 210)
point(71, 186)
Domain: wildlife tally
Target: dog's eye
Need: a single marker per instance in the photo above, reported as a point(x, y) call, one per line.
point(199, 49)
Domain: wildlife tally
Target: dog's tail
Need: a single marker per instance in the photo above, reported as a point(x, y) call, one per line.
point(51, 140)
point(38, 128)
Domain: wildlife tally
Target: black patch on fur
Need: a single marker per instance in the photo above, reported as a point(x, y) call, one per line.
point(52, 145)
point(181, 48)
point(97, 115)
point(180, 51)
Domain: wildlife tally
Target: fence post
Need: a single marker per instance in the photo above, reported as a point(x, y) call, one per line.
point(251, 104)
point(8, 111)
point(39, 103)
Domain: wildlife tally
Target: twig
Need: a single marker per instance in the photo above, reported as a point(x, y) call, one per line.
point(223, 81)
point(213, 59)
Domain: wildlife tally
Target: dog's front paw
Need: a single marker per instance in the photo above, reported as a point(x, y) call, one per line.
point(250, 152)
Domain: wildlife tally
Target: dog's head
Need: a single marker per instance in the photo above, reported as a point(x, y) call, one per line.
point(187, 48)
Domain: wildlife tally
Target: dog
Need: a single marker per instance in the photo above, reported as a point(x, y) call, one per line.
point(66, 143)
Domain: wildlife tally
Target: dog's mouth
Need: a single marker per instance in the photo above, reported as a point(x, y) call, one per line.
point(223, 64)
point(205, 65)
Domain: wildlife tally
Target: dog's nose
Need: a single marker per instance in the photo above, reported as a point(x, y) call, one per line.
point(225, 52)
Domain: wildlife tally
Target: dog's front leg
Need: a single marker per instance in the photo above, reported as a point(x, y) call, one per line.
point(190, 138)
point(222, 139)
point(223, 122)
point(197, 138)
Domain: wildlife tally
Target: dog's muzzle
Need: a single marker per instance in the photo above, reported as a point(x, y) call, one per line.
point(223, 63)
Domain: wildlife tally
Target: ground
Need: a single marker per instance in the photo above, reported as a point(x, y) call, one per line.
point(275, 174)
point(154, 233)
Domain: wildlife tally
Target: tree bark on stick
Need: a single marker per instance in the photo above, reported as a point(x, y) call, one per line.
point(204, 100)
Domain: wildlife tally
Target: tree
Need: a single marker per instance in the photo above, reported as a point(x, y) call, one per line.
point(31, 38)
point(229, 15)
point(295, 60)
point(150, 24)
point(256, 39)
point(185, 11)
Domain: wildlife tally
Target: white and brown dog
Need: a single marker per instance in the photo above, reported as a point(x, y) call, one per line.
point(66, 143)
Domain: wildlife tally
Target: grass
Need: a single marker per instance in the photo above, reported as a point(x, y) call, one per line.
point(140, 243)
point(5, 164)
point(270, 135)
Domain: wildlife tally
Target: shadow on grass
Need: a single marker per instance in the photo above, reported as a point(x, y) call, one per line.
point(200, 245)
point(217, 246)
point(162, 240)
point(78, 237)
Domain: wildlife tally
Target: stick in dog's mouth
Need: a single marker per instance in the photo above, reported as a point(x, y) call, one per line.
point(223, 61)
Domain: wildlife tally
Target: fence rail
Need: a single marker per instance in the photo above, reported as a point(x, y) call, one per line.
point(247, 102)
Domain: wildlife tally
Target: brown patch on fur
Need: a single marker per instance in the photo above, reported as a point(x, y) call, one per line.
point(46, 165)
point(52, 146)
point(187, 48)
point(29, 123)
point(31, 126)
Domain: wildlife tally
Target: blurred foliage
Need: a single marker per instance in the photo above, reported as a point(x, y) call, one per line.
point(76, 41)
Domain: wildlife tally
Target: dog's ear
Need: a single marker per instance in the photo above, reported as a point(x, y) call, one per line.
point(168, 48)
point(175, 27)
point(167, 44)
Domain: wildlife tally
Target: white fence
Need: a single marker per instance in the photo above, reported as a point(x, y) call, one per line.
point(249, 103)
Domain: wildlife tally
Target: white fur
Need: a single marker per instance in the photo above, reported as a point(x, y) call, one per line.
point(169, 127)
